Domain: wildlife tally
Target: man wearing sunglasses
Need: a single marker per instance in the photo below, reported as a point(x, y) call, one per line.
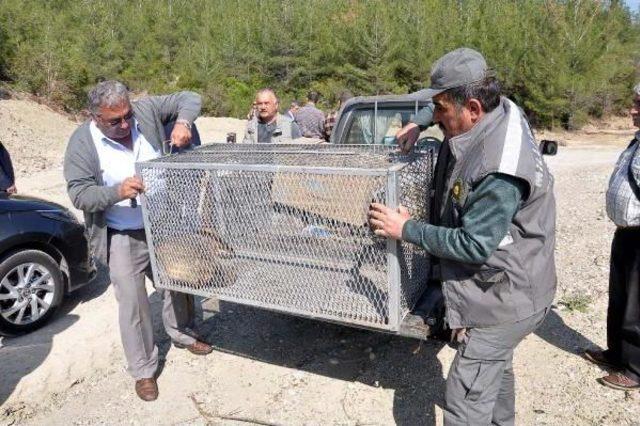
point(99, 167)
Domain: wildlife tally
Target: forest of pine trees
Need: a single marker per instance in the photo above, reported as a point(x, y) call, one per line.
point(563, 61)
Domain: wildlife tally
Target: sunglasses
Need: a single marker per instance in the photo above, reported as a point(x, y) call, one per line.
point(116, 121)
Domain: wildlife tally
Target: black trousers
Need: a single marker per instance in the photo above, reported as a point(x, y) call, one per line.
point(623, 315)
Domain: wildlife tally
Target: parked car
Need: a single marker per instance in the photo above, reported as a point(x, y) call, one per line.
point(44, 255)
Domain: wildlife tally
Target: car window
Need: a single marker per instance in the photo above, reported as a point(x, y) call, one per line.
point(365, 127)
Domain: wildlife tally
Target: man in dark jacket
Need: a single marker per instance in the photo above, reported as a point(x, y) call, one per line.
point(492, 231)
point(99, 167)
point(7, 176)
point(623, 316)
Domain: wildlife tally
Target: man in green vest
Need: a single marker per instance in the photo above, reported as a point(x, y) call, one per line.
point(492, 232)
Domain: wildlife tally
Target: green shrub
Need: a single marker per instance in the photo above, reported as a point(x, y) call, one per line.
point(577, 302)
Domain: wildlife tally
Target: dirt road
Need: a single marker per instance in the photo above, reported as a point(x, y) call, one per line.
point(274, 369)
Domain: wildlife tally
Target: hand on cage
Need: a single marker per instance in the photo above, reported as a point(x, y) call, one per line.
point(387, 222)
point(181, 135)
point(130, 187)
point(407, 137)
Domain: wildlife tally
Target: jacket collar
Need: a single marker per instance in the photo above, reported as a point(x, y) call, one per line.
point(276, 131)
point(462, 143)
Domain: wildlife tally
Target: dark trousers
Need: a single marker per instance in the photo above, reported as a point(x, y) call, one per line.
point(623, 315)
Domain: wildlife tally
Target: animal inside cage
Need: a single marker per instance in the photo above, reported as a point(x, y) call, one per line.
point(285, 227)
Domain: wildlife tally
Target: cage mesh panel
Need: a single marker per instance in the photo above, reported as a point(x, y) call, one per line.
point(312, 155)
point(290, 241)
point(415, 181)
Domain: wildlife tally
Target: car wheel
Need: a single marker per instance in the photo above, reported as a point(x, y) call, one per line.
point(31, 289)
point(549, 147)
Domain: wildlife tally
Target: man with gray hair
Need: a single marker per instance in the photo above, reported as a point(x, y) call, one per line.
point(267, 125)
point(623, 316)
point(491, 232)
point(99, 167)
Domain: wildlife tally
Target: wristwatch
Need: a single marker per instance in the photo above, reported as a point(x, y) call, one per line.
point(184, 122)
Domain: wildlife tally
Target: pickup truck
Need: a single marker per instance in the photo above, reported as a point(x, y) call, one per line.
point(376, 119)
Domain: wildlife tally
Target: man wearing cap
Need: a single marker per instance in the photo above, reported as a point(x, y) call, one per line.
point(492, 232)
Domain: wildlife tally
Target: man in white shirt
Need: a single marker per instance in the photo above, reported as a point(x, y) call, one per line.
point(99, 168)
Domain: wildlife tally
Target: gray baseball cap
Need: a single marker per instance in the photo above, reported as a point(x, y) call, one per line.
point(455, 69)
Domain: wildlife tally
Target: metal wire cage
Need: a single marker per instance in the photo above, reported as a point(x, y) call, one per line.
point(284, 227)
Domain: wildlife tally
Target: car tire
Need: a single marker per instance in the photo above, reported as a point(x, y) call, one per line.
point(549, 147)
point(30, 280)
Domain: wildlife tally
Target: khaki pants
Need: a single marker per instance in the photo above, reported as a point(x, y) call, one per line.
point(129, 264)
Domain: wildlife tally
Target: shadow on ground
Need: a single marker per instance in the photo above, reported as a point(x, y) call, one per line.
point(21, 355)
point(555, 332)
point(407, 366)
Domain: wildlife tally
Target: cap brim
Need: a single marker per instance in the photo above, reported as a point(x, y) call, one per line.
point(430, 93)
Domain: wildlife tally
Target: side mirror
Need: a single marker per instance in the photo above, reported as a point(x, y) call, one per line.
point(548, 147)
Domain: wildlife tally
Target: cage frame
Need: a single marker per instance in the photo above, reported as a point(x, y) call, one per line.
point(391, 172)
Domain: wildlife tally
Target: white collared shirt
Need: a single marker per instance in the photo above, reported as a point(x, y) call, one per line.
point(118, 163)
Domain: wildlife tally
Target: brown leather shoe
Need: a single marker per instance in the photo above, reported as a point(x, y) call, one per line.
point(600, 358)
point(197, 348)
point(619, 381)
point(147, 389)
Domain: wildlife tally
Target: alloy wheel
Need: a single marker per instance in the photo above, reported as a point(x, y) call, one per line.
point(26, 293)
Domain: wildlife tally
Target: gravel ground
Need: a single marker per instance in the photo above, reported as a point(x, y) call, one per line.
point(275, 369)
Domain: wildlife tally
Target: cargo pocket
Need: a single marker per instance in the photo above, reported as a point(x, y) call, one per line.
point(472, 378)
point(487, 345)
point(475, 385)
point(488, 278)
